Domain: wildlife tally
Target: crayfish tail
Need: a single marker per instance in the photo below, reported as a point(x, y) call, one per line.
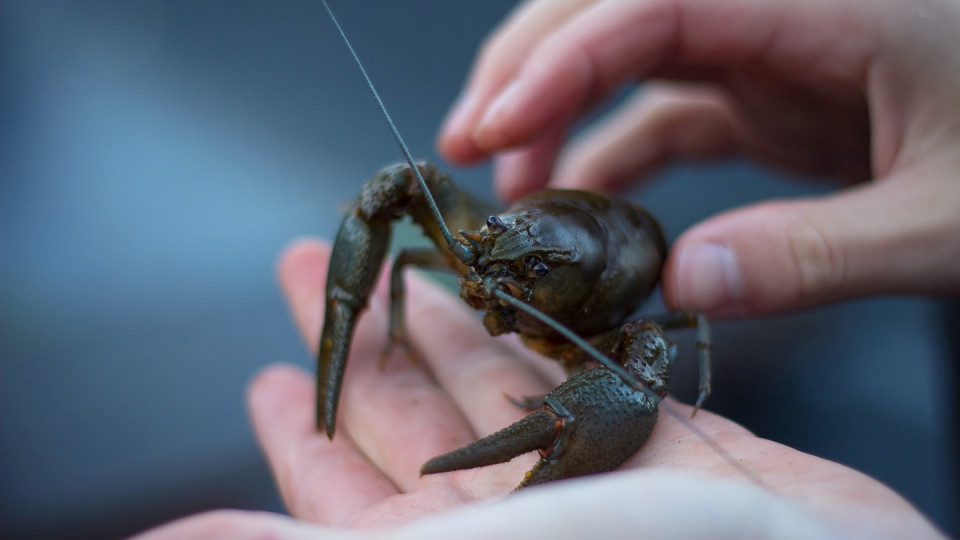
point(537, 431)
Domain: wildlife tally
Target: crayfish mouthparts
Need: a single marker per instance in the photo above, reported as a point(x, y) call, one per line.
point(500, 317)
point(508, 285)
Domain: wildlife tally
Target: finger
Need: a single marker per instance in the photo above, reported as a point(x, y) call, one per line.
point(500, 58)
point(674, 122)
point(302, 272)
point(521, 172)
point(707, 442)
point(713, 446)
point(238, 525)
point(896, 235)
point(302, 460)
point(674, 505)
point(618, 40)
point(396, 417)
point(475, 369)
point(281, 401)
point(396, 413)
point(477, 372)
point(547, 368)
point(661, 122)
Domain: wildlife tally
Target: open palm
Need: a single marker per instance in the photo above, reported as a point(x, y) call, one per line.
point(395, 417)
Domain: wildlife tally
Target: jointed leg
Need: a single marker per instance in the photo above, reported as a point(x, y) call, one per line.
point(692, 319)
point(426, 258)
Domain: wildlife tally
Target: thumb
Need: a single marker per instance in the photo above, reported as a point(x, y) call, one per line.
point(891, 236)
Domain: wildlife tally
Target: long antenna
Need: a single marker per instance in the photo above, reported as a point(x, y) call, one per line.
point(396, 134)
point(556, 325)
point(579, 342)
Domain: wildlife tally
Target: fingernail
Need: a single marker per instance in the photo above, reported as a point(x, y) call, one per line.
point(709, 277)
point(496, 109)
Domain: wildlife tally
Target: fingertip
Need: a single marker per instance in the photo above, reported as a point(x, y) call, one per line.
point(276, 381)
point(767, 258)
point(455, 141)
point(704, 275)
point(532, 107)
point(278, 391)
point(302, 257)
point(302, 272)
point(459, 149)
point(737, 263)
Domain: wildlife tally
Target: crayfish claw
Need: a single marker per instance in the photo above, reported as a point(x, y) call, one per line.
point(536, 431)
point(354, 264)
point(589, 424)
point(332, 360)
point(527, 403)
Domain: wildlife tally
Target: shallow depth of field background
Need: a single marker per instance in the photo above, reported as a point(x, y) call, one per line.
point(156, 157)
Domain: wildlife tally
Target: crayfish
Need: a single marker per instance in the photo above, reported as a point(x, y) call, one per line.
point(567, 270)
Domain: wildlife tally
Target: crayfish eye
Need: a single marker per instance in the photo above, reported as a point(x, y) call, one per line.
point(495, 225)
point(536, 267)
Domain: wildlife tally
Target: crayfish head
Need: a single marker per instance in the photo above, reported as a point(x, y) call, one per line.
point(547, 256)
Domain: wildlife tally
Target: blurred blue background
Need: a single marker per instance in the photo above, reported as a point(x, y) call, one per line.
point(156, 157)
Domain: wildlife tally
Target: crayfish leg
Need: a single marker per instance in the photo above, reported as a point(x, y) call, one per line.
point(358, 253)
point(424, 258)
point(692, 319)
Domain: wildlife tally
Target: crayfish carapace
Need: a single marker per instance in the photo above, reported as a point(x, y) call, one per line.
point(567, 270)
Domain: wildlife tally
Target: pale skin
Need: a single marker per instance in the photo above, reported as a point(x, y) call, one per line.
point(863, 91)
point(394, 419)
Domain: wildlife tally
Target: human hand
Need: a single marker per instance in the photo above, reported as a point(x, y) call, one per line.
point(853, 90)
point(393, 419)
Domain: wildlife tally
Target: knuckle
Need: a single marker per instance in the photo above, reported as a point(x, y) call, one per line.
point(818, 263)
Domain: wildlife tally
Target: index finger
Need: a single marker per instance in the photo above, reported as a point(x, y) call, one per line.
point(500, 58)
point(615, 41)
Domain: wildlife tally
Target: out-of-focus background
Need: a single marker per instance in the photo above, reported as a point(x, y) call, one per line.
point(157, 155)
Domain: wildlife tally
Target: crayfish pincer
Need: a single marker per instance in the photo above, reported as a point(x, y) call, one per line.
point(589, 424)
point(567, 270)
